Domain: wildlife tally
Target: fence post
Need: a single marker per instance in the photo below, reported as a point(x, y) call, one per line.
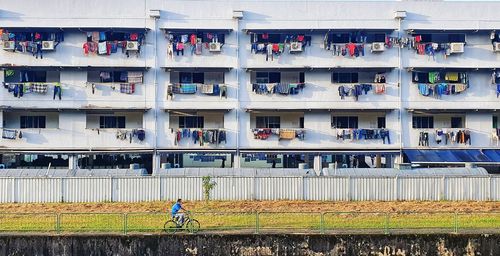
point(386, 224)
point(322, 223)
point(62, 189)
point(396, 186)
point(256, 222)
point(490, 186)
point(58, 223)
point(456, 222)
point(125, 223)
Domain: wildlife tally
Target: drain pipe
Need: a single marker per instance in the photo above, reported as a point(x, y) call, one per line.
point(400, 15)
point(155, 14)
point(238, 15)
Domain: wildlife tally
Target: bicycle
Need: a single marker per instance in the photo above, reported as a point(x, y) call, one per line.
point(191, 225)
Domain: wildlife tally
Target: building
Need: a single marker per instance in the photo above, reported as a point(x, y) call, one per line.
point(413, 81)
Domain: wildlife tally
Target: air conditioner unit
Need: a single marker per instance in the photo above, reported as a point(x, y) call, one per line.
point(214, 47)
point(378, 47)
point(295, 47)
point(8, 45)
point(457, 47)
point(132, 46)
point(47, 45)
point(496, 46)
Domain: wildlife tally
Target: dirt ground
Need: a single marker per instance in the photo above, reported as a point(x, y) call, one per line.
point(245, 206)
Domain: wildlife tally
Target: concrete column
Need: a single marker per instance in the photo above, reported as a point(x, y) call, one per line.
point(156, 162)
point(72, 161)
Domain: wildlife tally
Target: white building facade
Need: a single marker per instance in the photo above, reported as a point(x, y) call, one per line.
point(248, 83)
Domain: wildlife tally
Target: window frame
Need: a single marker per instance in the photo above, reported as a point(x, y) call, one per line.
point(337, 79)
point(418, 122)
point(350, 122)
point(191, 122)
point(112, 122)
point(268, 122)
point(33, 122)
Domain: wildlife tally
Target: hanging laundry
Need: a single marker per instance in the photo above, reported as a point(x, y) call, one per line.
point(134, 77)
point(127, 88)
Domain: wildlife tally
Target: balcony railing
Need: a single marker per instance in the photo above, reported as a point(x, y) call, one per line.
point(363, 134)
point(281, 133)
point(444, 136)
point(193, 88)
point(20, 89)
point(278, 88)
point(201, 136)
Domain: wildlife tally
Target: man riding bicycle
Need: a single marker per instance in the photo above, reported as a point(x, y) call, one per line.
point(175, 212)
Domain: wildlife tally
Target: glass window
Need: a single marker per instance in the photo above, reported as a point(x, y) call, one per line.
point(191, 121)
point(267, 77)
point(381, 122)
point(268, 122)
point(344, 77)
point(345, 122)
point(33, 122)
point(423, 122)
point(111, 122)
point(456, 122)
point(495, 122)
point(189, 77)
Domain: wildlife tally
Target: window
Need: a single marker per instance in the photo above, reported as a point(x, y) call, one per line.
point(423, 122)
point(345, 122)
point(111, 122)
point(17, 76)
point(381, 122)
point(456, 122)
point(339, 78)
point(188, 77)
point(33, 122)
point(423, 77)
point(355, 37)
point(267, 77)
point(495, 122)
point(267, 38)
point(443, 38)
point(268, 122)
point(191, 121)
point(301, 122)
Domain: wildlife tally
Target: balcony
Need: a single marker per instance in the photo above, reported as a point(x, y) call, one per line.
point(69, 48)
point(319, 48)
point(198, 129)
point(452, 86)
point(199, 47)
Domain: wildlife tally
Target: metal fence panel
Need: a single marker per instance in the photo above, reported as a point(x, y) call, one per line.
point(233, 188)
point(136, 190)
point(86, 189)
point(187, 188)
point(326, 189)
point(419, 188)
point(466, 188)
point(278, 188)
point(495, 188)
point(6, 190)
point(372, 188)
point(33, 190)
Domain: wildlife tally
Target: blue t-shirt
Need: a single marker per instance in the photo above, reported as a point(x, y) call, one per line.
point(176, 208)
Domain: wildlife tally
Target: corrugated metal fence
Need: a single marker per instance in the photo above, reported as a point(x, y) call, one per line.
point(134, 189)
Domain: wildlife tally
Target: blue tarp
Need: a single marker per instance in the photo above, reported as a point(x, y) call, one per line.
point(452, 155)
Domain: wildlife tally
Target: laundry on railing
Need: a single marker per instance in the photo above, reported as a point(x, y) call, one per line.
point(127, 88)
point(207, 89)
point(495, 136)
point(201, 136)
point(20, 89)
point(364, 134)
point(495, 82)
point(282, 133)
point(359, 89)
point(134, 77)
point(445, 136)
point(130, 134)
point(438, 90)
point(11, 134)
point(33, 42)
point(353, 50)
point(278, 88)
point(100, 43)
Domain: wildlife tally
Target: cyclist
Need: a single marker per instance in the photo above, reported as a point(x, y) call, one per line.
point(176, 214)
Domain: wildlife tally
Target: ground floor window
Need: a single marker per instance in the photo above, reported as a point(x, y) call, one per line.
point(197, 160)
point(114, 161)
point(33, 161)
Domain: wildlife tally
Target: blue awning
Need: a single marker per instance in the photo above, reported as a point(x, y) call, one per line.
point(452, 155)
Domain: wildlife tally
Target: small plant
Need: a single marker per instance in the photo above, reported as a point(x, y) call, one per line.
point(208, 186)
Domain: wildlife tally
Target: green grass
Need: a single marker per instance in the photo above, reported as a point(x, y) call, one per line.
point(278, 221)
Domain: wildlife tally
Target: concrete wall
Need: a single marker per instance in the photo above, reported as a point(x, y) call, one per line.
point(207, 244)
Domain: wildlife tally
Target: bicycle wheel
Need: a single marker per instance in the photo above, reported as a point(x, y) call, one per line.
point(170, 226)
point(193, 226)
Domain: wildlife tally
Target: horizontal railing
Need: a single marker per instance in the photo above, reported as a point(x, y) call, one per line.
point(258, 222)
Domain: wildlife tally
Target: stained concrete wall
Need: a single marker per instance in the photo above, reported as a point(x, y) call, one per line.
point(251, 245)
